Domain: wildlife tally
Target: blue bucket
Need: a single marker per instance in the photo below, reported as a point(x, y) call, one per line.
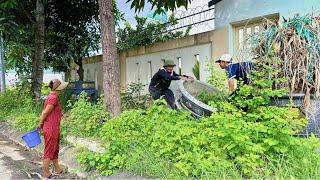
point(32, 138)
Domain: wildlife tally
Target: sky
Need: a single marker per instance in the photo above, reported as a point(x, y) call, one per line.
point(194, 7)
point(130, 13)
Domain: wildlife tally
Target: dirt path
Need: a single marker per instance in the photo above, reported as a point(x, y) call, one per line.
point(18, 163)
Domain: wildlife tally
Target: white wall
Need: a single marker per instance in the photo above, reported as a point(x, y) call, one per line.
point(138, 67)
point(93, 72)
point(229, 11)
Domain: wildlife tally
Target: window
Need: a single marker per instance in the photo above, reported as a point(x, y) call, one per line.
point(150, 71)
point(88, 75)
point(243, 31)
point(243, 35)
point(179, 65)
point(137, 78)
point(96, 79)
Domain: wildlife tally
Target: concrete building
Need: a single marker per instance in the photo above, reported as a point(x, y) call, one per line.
point(235, 21)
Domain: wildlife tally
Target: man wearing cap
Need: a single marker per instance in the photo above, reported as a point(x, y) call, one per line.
point(238, 71)
point(161, 81)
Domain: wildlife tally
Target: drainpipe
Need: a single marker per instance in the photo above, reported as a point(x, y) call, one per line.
point(2, 70)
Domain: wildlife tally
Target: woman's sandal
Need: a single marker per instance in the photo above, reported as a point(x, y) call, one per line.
point(52, 176)
point(63, 171)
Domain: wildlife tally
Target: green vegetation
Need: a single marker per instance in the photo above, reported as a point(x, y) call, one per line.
point(146, 33)
point(231, 144)
point(134, 98)
point(196, 70)
point(217, 77)
point(85, 118)
point(19, 109)
point(246, 138)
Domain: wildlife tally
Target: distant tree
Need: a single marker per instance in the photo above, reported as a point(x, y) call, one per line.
point(73, 32)
point(159, 5)
point(146, 33)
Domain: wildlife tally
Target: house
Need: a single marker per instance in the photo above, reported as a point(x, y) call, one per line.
point(235, 20)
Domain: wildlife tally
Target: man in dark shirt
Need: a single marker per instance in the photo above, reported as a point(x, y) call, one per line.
point(161, 81)
point(238, 71)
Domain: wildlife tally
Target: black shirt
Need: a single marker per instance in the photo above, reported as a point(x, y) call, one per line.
point(162, 79)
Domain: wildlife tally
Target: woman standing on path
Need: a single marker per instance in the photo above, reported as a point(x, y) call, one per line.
point(50, 124)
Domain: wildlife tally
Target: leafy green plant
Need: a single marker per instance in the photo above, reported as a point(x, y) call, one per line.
point(212, 99)
point(196, 70)
point(146, 33)
point(19, 109)
point(66, 100)
point(17, 100)
point(86, 118)
point(25, 121)
point(217, 78)
point(134, 98)
point(246, 138)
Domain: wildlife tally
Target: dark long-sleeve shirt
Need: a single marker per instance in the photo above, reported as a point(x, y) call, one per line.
point(162, 79)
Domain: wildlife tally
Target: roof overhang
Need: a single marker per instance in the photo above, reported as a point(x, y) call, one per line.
point(213, 2)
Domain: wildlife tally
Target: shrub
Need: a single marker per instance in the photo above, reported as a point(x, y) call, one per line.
point(246, 138)
point(217, 77)
point(155, 141)
point(160, 142)
point(25, 121)
point(86, 118)
point(15, 101)
point(135, 98)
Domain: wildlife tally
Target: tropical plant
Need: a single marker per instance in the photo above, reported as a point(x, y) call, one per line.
point(296, 44)
point(196, 70)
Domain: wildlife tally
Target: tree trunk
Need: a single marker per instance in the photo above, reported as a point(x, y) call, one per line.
point(2, 65)
point(111, 80)
point(80, 71)
point(37, 64)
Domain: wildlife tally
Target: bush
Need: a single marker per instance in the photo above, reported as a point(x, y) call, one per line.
point(152, 141)
point(246, 138)
point(25, 121)
point(86, 118)
point(160, 142)
point(134, 98)
point(217, 77)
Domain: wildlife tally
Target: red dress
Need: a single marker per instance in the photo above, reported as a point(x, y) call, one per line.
point(51, 128)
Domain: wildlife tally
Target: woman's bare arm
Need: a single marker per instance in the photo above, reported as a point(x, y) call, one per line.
point(45, 113)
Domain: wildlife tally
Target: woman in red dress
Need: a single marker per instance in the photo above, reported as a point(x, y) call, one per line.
point(50, 124)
